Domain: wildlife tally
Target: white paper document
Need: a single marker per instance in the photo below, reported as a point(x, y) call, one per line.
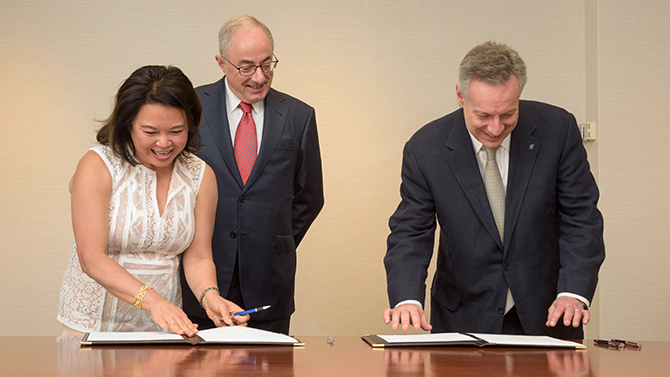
point(134, 336)
point(526, 341)
point(441, 337)
point(468, 339)
point(232, 335)
point(246, 334)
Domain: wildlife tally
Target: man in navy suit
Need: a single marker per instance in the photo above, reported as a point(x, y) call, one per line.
point(533, 269)
point(267, 199)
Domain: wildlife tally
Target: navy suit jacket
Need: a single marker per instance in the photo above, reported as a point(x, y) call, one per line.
point(261, 223)
point(553, 228)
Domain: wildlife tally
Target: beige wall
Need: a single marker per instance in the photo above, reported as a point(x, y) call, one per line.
point(375, 71)
point(633, 103)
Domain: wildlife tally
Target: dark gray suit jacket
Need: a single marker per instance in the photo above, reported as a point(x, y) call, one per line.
point(262, 222)
point(553, 228)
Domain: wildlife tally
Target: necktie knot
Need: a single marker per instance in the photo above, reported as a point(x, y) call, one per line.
point(490, 153)
point(246, 108)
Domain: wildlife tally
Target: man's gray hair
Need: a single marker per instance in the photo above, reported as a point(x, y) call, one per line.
point(232, 26)
point(493, 63)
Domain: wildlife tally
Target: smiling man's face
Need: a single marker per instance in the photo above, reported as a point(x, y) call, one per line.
point(250, 47)
point(491, 111)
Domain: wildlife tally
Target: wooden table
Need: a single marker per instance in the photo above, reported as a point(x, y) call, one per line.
point(348, 356)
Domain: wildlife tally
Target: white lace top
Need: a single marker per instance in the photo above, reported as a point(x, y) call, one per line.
point(143, 242)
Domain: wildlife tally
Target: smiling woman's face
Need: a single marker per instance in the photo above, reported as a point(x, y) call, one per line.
point(159, 135)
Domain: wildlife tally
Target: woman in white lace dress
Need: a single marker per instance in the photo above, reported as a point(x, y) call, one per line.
point(141, 203)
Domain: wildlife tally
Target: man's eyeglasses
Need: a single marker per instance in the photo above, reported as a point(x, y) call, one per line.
point(249, 70)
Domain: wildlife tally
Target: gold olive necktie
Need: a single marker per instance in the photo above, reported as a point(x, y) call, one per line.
point(495, 191)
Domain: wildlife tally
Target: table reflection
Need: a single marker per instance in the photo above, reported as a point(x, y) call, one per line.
point(565, 363)
point(405, 361)
point(488, 361)
point(172, 361)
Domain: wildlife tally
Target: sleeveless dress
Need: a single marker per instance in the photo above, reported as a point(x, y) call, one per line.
point(147, 245)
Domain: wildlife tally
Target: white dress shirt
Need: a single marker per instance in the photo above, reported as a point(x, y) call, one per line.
point(235, 115)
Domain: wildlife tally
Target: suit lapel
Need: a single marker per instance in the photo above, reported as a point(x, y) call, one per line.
point(523, 151)
point(275, 119)
point(461, 158)
point(217, 123)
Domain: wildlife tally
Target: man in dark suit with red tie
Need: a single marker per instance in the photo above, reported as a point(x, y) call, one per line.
point(264, 149)
point(520, 234)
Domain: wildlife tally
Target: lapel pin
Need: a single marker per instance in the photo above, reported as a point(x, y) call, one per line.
point(531, 146)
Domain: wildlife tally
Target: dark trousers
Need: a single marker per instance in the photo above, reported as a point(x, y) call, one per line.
point(512, 323)
point(235, 295)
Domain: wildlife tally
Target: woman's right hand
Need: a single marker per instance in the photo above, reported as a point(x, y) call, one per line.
point(168, 315)
point(221, 311)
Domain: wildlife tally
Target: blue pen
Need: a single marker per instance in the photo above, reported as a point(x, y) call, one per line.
point(253, 310)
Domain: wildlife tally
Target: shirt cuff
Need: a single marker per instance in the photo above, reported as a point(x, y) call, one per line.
point(415, 302)
point(587, 303)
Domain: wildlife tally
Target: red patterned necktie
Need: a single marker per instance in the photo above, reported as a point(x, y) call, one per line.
point(246, 142)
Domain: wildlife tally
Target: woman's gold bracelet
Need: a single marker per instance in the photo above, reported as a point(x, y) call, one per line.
point(139, 296)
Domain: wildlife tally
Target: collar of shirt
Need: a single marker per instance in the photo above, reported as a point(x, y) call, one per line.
point(502, 156)
point(235, 114)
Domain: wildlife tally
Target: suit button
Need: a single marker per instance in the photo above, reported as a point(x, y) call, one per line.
point(507, 266)
point(242, 199)
point(233, 234)
point(501, 310)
